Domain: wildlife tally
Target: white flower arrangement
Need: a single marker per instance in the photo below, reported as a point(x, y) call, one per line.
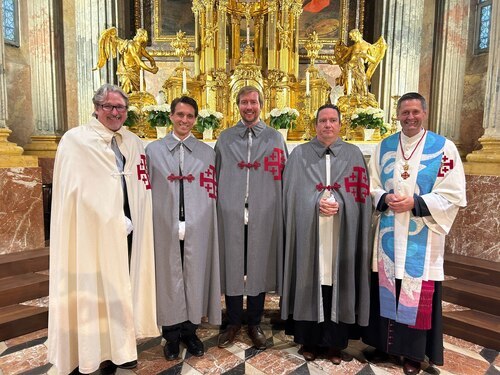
point(369, 118)
point(208, 119)
point(283, 118)
point(158, 115)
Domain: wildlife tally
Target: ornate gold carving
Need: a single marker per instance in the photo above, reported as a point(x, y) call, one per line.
point(312, 46)
point(180, 45)
point(131, 53)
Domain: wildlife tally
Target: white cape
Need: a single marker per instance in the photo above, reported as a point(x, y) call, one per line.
point(97, 307)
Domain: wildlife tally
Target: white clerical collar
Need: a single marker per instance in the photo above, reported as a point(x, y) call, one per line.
point(412, 139)
point(178, 139)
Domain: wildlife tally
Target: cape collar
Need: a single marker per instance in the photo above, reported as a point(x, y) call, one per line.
point(256, 129)
point(320, 149)
point(105, 133)
point(172, 141)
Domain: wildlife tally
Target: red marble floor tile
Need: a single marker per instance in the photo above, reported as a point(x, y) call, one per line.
point(275, 362)
point(23, 360)
point(152, 361)
point(458, 363)
point(214, 361)
point(25, 338)
point(462, 343)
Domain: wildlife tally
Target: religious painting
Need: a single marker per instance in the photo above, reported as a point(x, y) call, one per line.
point(331, 19)
point(170, 16)
point(322, 16)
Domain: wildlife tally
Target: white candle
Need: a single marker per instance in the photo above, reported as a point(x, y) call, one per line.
point(248, 35)
point(348, 83)
point(97, 77)
point(308, 89)
point(184, 81)
point(141, 78)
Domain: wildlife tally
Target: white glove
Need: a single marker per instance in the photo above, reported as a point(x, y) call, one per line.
point(182, 230)
point(129, 225)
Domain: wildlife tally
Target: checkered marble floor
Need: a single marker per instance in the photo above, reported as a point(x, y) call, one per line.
point(27, 355)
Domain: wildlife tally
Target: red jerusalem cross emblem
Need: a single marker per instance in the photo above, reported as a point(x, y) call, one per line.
point(357, 184)
point(142, 172)
point(275, 163)
point(446, 166)
point(207, 180)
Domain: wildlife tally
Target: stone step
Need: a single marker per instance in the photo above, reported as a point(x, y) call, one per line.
point(473, 295)
point(474, 326)
point(24, 262)
point(22, 288)
point(17, 320)
point(473, 269)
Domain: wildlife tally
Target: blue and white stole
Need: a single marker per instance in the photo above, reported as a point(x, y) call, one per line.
point(411, 285)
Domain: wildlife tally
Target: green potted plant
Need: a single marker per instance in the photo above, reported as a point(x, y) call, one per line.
point(371, 120)
point(159, 117)
point(283, 119)
point(132, 116)
point(207, 121)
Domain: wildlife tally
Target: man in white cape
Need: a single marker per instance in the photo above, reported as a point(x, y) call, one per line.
point(102, 279)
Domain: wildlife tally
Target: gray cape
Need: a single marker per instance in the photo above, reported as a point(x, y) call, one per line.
point(304, 170)
point(265, 227)
point(192, 292)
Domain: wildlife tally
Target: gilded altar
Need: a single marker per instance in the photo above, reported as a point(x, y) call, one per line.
point(234, 43)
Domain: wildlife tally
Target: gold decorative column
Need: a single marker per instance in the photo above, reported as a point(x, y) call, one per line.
point(10, 153)
point(487, 160)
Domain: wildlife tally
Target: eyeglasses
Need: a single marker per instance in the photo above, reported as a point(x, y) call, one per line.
point(109, 107)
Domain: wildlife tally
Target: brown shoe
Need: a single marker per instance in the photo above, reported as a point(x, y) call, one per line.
point(258, 338)
point(411, 367)
point(308, 352)
point(334, 355)
point(226, 338)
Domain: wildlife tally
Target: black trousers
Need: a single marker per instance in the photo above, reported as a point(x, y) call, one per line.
point(178, 331)
point(255, 304)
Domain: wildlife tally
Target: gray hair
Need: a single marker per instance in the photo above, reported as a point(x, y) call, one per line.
point(103, 91)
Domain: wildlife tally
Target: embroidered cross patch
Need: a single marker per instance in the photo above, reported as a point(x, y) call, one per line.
point(142, 172)
point(446, 166)
point(357, 184)
point(207, 180)
point(275, 163)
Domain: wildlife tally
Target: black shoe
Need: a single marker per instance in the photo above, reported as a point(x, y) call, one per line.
point(171, 350)
point(108, 368)
point(257, 336)
point(411, 367)
point(226, 338)
point(193, 345)
point(128, 365)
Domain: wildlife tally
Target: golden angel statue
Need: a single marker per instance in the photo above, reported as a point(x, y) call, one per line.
point(131, 53)
point(358, 62)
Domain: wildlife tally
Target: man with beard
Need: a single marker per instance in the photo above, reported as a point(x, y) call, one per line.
point(249, 160)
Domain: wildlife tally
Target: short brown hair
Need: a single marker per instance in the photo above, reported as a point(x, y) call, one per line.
point(248, 89)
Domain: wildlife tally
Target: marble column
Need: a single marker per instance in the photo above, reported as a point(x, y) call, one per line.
point(400, 23)
point(452, 20)
point(47, 77)
point(486, 161)
point(92, 17)
point(10, 153)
